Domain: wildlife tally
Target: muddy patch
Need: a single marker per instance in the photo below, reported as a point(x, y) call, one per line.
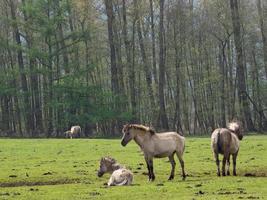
point(227, 192)
point(198, 185)
point(47, 173)
point(94, 194)
point(9, 194)
point(4, 194)
point(249, 175)
point(39, 183)
point(258, 172)
point(253, 197)
point(33, 189)
point(200, 192)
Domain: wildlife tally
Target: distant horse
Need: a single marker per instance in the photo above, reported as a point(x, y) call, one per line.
point(158, 145)
point(225, 141)
point(119, 174)
point(74, 131)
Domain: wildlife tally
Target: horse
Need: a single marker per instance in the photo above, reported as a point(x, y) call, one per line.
point(75, 130)
point(225, 141)
point(119, 174)
point(158, 145)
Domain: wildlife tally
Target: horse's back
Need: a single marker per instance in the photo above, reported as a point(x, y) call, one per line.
point(75, 129)
point(222, 139)
point(171, 140)
point(121, 177)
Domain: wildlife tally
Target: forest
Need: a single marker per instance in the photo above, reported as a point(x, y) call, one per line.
point(184, 65)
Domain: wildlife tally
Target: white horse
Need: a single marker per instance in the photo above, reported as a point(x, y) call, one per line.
point(75, 130)
point(225, 141)
point(119, 174)
point(158, 145)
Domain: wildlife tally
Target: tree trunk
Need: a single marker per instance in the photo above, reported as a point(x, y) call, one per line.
point(263, 34)
point(162, 112)
point(154, 63)
point(145, 62)
point(114, 74)
point(222, 82)
point(24, 84)
point(35, 102)
point(129, 64)
point(241, 82)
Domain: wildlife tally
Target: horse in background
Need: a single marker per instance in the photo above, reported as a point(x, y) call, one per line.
point(74, 131)
point(158, 145)
point(225, 141)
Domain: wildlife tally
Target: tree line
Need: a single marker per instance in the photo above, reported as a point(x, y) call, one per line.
point(184, 65)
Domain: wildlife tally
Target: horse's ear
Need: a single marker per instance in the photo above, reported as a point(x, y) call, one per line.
point(125, 126)
point(152, 131)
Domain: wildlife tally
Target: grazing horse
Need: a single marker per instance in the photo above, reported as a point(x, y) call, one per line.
point(225, 141)
point(74, 131)
point(158, 145)
point(119, 175)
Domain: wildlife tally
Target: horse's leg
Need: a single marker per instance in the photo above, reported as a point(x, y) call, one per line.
point(228, 166)
point(216, 156)
point(180, 157)
point(151, 169)
point(234, 163)
point(225, 158)
point(171, 158)
point(148, 168)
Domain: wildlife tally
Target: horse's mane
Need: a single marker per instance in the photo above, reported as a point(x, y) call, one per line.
point(234, 126)
point(140, 127)
point(109, 159)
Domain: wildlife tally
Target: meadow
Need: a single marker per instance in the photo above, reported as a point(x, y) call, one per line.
point(66, 169)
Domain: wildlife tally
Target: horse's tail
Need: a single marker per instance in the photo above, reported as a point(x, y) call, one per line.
point(219, 147)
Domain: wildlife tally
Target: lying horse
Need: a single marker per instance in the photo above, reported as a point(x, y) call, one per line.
point(119, 175)
point(225, 141)
point(74, 131)
point(158, 145)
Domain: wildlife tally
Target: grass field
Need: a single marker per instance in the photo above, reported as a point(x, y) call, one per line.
point(66, 169)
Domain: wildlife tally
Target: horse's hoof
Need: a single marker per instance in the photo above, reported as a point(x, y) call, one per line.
point(228, 173)
point(184, 178)
point(234, 174)
point(170, 178)
point(223, 174)
point(218, 174)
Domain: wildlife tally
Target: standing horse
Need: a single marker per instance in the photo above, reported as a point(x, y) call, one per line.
point(225, 141)
point(74, 131)
point(158, 145)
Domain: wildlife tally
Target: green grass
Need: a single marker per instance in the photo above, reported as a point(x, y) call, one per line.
point(66, 169)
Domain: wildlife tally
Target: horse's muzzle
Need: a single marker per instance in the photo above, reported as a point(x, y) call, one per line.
point(123, 143)
point(100, 174)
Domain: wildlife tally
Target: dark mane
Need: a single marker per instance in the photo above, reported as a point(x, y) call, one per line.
point(139, 127)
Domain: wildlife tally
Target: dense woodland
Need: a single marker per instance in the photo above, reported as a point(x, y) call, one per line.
point(185, 65)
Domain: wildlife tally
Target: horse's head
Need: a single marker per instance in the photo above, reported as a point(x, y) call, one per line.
point(67, 133)
point(236, 128)
point(105, 165)
point(128, 134)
